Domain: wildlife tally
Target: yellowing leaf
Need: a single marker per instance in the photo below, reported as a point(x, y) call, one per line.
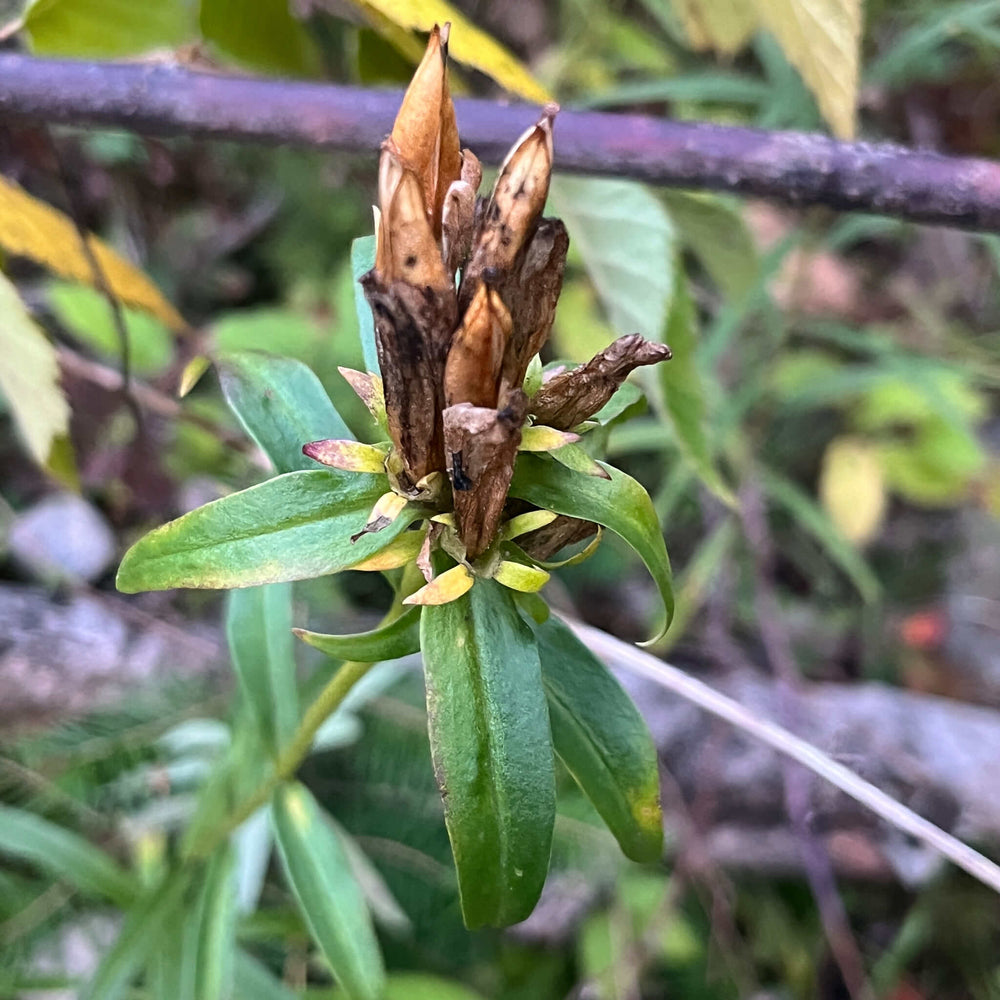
point(541, 438)
point(467, 44)
point(723, 25)
point(821, 39)
point(399, 552)
point(444, 589)
point(517, 576)
point(31, 228)
point(852, 488)
point(29, 376)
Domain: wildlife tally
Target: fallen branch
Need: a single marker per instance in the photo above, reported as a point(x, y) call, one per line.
point(792, 168)
point(750, 721)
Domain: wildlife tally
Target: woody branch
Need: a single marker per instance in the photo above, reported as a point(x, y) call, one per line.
point(792, 168)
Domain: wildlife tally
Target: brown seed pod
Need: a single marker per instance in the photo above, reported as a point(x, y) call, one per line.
point(425, 133)
point(481, 445)
point(477, 351)
point(569, 398)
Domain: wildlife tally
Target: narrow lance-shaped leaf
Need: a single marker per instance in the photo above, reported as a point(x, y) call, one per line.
point(399, 637)
point(292, 527)
point(330, 899)
point(281, 404)
point(137, 940)
point(492, 751)
point(603, 740)
point(64, 854)
point(217, 928)
point(259, 630)
point(618, 502)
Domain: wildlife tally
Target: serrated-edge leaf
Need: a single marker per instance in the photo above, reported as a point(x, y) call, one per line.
point(362, 261)
point(64, 854)
point(139, 936)
point(281, 404)
point(262, 648)
point(400, 637)
point(492, 751)
point(29, 376)
point(626, 240)
point(328, 895)
point(293, 527)
point(619, 503)
point(31, 228)
point(602, 739)
point(467, 44)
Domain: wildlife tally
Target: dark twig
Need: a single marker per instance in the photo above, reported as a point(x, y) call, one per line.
point(101, 283)
point(788, 167)
point(798, 782)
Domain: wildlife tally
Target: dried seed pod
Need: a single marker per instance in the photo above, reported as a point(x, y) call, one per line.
point(458, 214)
point(425, 133)
point(571, 397)
point(477, 352)
point(548, 540)
point(532, 292)
point(411, 253)
point(413, 328)
point(481, 446)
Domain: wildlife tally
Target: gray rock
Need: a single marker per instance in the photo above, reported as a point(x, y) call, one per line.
point(62, 538)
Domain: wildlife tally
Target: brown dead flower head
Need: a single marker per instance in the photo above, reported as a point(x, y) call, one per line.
point(463, 294)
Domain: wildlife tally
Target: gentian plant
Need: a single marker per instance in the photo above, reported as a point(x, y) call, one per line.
point(487, 473)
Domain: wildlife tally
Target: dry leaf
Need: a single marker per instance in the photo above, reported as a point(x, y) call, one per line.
point(31, 228)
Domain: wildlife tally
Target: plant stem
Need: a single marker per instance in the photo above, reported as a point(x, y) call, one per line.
point(297, 748)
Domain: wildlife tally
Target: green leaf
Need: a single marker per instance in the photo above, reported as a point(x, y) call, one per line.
point(86, 314)
point(421, 986)
point(281, 405)
point(813, 519)
point(108, 28)
point(362, 261)
point(618, 503)
point(217, 928)
point(254, 981)
point(492, 751)
point(262, 647)
point(138, 939)
point(603, 740)
point(29, 376)
point(292, 527)
point(65, 855)
point(683, 393)
point(330, 899)
point(626, 240)
point(713, 229)
point(265, 37)
point(172, 972)
point(399, 637)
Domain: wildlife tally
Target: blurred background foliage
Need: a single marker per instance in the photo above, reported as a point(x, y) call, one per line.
point(839, 372)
